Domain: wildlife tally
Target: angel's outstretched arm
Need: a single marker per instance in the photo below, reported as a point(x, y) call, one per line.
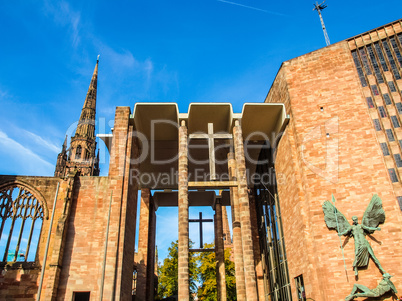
point(370, 228)
point(345, 232)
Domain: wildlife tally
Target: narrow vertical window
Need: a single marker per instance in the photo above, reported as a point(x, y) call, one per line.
point(21, 224)
point(390, 135)
point(301, 292)
point(359, 69)
point(398, 160)
point(78, 152)
point(395, 121)
point(382, 112)
point(400, 143)
point(391, 86)
point(377, 125)
point(391, 60)
point(396, 50)
point(399, 107)
point(364, 58)
point(399, 198)
point(387, 99)
point(375, 90)
point(384, 149)
point(392, 175)
point(381, 56)
point(370, 103)
point(374, 62)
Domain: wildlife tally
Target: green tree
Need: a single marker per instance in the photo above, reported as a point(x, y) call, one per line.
point(207, 269)
point(168, 273)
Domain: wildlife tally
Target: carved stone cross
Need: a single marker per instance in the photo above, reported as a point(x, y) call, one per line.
point(211, 146)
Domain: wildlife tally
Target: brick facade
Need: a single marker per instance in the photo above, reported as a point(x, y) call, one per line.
point(330, 147)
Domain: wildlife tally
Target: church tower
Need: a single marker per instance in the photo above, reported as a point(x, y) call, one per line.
point(81, 156)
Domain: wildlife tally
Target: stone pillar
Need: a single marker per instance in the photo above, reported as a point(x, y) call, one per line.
point(246, 233)
point(151, 253)
point(257, 250)
point(143, 245)
point(226, 230)
point(121, 240)
point(219, 253)
point(237, 240)
point(183, 260)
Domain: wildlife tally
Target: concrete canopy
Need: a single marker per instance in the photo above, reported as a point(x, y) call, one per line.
point(157, 127)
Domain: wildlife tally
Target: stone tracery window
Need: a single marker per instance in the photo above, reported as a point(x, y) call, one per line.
point(21, 222)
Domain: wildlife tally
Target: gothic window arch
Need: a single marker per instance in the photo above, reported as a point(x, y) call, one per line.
point(21, 216)
point(78, 152)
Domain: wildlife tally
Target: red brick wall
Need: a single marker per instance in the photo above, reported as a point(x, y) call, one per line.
point(327, 78)
point(84, 248)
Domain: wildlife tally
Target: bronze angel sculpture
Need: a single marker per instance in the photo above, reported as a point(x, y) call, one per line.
point(373, 216)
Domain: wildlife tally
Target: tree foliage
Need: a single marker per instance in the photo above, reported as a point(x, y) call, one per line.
point(168, 273)
point(202, 269)
point(207, 291)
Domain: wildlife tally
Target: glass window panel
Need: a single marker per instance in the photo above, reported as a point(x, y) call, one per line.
point(370, 103)
point(364, 58)
point(396, 50)
point(399, 107)
point(359, 69)
point(387, 99)
point(398, 160)
point(390, 135)
point(381, 56)
point(391, 86)
point(392, 175)
point(382, 112)
point(391, 60)
point(374, 62)
point(384, 149)
point(375, 90)
point(377, 125)
point(395, 121)
point(400, 201)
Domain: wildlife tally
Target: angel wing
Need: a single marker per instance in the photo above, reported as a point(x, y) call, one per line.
point(334, 218)
point(374, 214)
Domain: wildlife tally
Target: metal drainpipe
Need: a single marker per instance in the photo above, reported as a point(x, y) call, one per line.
point(104, 255)
point(47, 244)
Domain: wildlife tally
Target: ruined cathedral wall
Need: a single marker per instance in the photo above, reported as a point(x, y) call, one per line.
point(86, 234)
point(332, 143)
point(21, 279)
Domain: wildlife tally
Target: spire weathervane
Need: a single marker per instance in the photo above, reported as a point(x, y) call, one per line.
point(319, 8)
point(97, 59)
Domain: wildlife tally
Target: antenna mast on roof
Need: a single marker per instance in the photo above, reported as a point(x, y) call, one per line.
point(319, 8)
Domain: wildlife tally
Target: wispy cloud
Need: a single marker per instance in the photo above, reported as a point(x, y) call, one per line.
point(39, 140)
point(23, 158)
point(252, 7)
point(64, 15)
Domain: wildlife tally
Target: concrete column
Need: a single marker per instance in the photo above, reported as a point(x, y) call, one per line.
point(219, 253)
point(237, 240)
point(257, 250)
point(151, 255)
point(247, 241)
point(146, 248)
point(226, 230)
point(183, 261)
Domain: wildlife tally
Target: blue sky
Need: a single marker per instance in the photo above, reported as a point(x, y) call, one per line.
point(151, 51)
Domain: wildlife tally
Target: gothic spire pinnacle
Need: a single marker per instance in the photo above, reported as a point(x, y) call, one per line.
point(64, 145)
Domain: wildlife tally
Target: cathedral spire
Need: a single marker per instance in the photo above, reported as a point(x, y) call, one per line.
point(64, 148)
point(82, 157)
